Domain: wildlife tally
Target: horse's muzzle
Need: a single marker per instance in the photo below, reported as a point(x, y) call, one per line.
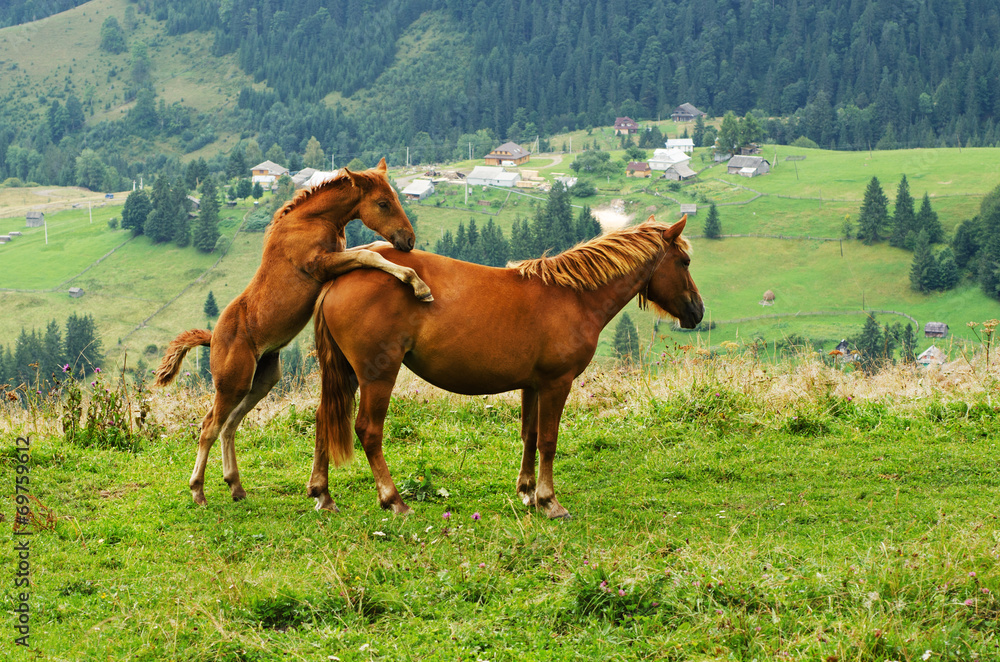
point(694, 310)
point(403, 240)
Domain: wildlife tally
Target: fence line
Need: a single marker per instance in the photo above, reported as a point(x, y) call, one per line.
point(766, 236)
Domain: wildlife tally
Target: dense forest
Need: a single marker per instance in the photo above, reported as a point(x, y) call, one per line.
point(16, 13)
point(855, 75)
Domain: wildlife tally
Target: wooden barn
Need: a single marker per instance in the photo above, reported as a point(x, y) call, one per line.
point(35, 219)
point(76, 292)
point(686, 113)
point(936, 330)
point(679, 171)
point(748, 166)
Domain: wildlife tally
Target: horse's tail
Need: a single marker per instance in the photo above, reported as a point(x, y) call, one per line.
point(338, 385)
point(178, 348)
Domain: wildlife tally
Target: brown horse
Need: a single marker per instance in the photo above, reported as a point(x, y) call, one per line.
point(303, 248)
point(533, 326)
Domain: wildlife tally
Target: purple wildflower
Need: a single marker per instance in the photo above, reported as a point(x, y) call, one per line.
point(970, 602)
point(97, 370)
point(66, 368)
point(621, 592)
point(476, 516)
point(446, 515)
point(482, 565)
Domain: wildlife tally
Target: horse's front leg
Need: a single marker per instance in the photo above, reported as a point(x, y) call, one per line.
point(529, 437)
point(327, 266)
point(551, 400)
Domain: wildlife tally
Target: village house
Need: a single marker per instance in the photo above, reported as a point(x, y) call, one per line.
point(664, 158)
point(685, 113)
point(267, 173)
point(492, 176)
point(931, 356)
point(35, 219)
point(508, 154)
point(300, 178)
point(637, 169)
point(419, 189)
point(625, 126)
point(690, 209)
point(748, 166)
point(686, 145)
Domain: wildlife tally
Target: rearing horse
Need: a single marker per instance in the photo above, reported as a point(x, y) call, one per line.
point(532, 327)
point(303, 248)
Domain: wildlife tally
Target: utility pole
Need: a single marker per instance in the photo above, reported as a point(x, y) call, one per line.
point(407, 157)
point(333, 165)
point(470, 150)
point(91, 210)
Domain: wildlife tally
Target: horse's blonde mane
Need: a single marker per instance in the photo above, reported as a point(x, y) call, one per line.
point(598, 261)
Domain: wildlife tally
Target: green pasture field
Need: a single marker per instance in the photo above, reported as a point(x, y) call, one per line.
point(723, 510)
point(123, 288)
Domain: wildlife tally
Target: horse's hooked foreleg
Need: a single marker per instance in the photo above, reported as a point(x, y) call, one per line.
point(328, 266)
point(551, 401)
point(529, 436)
point(268, 374)
point(372, 407)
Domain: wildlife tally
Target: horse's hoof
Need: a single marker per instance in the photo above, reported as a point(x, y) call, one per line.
point(426, 298)
point(565, 516)
point(200, 499)
point(327, 505)
point(239, 495)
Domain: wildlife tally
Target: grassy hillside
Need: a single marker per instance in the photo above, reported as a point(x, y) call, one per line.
point(730, 509)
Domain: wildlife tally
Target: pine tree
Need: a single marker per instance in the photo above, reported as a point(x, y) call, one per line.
point(626, 342)
point(904, 221)
point(496, 250)
point(587, 226)
point(871, 346)
point(713, 228)
point(83, 346)
point(927, 221)
point(134, 212)
point(907, 343)
point(206, 229)
point(924, 275)
point(55, 354)
point(522, 241)
point(211, 308)
point(874, 212)
point(159, 226)
point(257, 191)
point(243, 188)
point(948, 269)
point(553, 228)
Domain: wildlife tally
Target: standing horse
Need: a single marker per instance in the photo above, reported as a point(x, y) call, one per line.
point(303, 248)
point(532, 327)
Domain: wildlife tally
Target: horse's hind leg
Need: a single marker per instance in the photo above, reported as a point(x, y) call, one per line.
point(529, 435)
point(232, 383)
point(372, 407)
point(268, 374)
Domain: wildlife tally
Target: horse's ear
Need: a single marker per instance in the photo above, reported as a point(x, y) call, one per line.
point(674, 231)
point(381, 165)
point(350, 176)
point(651, 218)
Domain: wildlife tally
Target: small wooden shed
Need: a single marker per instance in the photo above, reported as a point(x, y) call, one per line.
point(35, 219)
point(689, 209)
point(76, 292)
point(936, 330)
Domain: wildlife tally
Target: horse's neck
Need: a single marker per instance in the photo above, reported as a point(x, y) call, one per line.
point(334, 204)
point(608, 300)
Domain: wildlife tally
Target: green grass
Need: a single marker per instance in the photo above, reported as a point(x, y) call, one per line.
point(713, 519)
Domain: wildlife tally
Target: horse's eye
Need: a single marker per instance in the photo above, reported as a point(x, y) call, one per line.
point(383, 204)
point(686, 263)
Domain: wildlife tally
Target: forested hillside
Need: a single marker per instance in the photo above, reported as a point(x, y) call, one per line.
point(370, 76)
point(16, 13)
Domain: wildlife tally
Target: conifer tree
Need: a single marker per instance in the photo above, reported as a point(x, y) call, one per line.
point(924, 275)
point(159, 225)
point(522, 241)
point(496, 250)
point(871, 345)
point(54, 349)
point(83, 346)
point(182, 221)
point(713, 228)
point(206, 229)
point(257, 191)
point(243, 188)
point(587, 226)
point(904, 221)
point(907, 342)
point(626, 342)
point(211, 308)
point(313, 156)
point(947, 270)
point(874, 212)
point(927, 221)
